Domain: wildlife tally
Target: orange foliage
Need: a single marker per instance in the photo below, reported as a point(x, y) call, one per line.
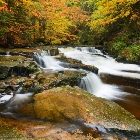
point(3, 6)
point(52, 20)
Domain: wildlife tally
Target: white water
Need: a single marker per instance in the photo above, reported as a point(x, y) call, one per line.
point(19, 99)
point(6, 98)
point(105, 64)
point(91, 82)
point(47, 62)
point(94, 85)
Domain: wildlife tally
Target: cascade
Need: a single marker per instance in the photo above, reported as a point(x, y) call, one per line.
point(121, 81)
point(7, 54)
point(88, 49)
point(105, 63)
point(44, 60)
point(93, 84)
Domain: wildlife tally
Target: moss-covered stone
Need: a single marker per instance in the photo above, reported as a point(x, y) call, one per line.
point(17, 66)
point(67, 103)
point(16, 51)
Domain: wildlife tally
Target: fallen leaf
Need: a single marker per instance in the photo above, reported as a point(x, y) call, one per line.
point(123, 126)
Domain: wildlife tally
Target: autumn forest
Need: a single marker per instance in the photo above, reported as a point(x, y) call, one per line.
point(111, 23)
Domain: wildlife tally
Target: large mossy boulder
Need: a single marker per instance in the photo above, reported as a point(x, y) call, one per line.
point(67, 103)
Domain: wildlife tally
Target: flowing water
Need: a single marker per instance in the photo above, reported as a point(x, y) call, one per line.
point(115, 81)
point(45, 61)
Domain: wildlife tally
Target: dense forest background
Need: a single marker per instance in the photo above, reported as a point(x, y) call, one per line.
point(114, 24)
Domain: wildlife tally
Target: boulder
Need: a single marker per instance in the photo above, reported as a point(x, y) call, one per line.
point(74, 104)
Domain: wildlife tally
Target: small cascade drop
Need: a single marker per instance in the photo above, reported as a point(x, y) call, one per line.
point(7, 54)
point(14, 103)
point(91, 83)
point(44, 60)
point(94, 85)
point(39, 60)
point(19, 99)
point(88, 49)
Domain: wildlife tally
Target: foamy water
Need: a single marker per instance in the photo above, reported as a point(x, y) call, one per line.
point(105, 64)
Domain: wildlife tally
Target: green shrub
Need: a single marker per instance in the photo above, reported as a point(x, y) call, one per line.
point(117, 47)
point(131, 53)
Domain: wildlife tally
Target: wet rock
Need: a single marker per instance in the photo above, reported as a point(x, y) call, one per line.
point(120, 80)
point(9, 89)
point(27, 52)
point(12, 66)
point(72, 63)
point(4, 72)
point(51, 50)
point(45, 130)
point(50, 80)
point(67, 103)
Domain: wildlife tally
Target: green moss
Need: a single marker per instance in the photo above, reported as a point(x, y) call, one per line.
point(67, 103)
point(131, 53)
point(11, 60)
point(8, 132)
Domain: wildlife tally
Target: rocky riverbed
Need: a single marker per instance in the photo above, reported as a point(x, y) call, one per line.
point(49, 104)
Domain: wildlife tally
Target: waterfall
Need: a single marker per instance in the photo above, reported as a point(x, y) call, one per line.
point(104, 63)
point(7, 54)
point(44, 60)
point(94, 85)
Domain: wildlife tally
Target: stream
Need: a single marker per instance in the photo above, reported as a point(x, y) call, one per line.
point(115, 81)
